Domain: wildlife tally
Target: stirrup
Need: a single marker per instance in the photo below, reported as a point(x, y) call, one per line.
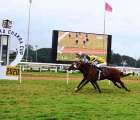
point(104, 74)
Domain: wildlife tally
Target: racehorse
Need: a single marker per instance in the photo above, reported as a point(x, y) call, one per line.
point(93, 74)
point(94, 83)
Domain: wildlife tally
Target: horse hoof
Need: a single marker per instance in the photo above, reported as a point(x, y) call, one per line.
point(75, 89)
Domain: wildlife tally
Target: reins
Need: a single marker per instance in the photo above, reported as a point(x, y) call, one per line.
point(79, 64)
point(89, 68)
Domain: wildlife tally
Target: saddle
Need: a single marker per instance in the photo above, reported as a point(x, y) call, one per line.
point(102, 69)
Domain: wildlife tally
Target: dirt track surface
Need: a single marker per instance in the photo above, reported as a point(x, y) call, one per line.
point(61, 78)
point(67, 50)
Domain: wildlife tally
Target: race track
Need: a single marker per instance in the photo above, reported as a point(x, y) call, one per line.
point(68, 50)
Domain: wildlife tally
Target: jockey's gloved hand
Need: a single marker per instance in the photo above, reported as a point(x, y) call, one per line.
point(95, 63)
point(90, 62)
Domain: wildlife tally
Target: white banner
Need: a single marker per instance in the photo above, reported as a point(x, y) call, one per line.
point(13, 72)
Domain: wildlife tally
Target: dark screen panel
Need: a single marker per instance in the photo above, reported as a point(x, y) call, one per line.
point(109, 49)
point(66, 43)
point(54, 45)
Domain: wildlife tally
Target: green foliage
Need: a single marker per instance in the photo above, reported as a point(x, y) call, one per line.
point(43, 55)
point(138, 63)
point(116, 59)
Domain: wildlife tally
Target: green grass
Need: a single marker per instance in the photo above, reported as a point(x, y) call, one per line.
point(55, 100)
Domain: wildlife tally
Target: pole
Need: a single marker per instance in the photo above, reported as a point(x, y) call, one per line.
point(104, 32)
point(135, 61)
point(67, 76)
point(31, 59)
point(28, 31)
point(36, 53)
point(20, 74)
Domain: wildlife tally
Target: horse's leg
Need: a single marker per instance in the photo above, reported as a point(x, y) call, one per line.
point(115, 83)
point(83, 84)
point(96, 85)
point(123, 86)
point(83, 81)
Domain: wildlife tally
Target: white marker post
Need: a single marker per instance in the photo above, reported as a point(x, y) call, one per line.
point(67, 76)
point(20, 74)
point(109, 82)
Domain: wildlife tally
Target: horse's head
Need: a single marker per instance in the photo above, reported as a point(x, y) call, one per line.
point(79, 66)
point(73, 66)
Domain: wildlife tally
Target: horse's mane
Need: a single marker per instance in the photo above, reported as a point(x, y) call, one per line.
point(85, 66)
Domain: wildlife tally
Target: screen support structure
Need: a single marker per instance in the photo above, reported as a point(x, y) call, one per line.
point(4, 49)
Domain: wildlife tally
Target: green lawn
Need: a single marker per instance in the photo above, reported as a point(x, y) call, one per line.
point(56, 100)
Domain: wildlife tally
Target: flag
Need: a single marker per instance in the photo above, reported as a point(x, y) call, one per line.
point(108, 7)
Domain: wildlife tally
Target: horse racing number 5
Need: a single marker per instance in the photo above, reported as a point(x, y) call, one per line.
point(12, 71)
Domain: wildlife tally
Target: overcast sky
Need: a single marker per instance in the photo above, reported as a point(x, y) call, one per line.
point(123, 23)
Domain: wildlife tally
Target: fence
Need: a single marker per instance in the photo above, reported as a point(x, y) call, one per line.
point(33, 66)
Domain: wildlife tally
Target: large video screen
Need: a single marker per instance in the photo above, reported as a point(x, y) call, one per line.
point(65, 44)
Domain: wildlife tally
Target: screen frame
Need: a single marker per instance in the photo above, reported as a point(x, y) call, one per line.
point(55, 44)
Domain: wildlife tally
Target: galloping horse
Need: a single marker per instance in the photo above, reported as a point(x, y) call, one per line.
point(92, 75)
point(85, 75)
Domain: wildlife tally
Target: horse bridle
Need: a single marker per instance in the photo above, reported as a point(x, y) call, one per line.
point(79, 64)
point(73, 67)
point(89, 68)
point(74, 64)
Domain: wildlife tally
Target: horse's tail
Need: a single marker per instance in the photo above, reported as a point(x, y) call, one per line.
point(124, 75)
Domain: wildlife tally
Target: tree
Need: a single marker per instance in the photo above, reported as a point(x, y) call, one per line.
point(138, 63)
point(44, 55)
point(30, 47)
point(130, 61)
point(116, 59)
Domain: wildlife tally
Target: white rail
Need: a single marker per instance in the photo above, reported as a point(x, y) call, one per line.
point(63, 67)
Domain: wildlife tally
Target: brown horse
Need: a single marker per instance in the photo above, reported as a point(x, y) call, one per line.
point(85, 76)
point(93, 74)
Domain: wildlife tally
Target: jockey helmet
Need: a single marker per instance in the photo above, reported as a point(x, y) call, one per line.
point(79, 55)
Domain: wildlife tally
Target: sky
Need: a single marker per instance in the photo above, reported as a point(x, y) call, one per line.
point(123, 23)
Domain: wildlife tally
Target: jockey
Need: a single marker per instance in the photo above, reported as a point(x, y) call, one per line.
point(98, 62)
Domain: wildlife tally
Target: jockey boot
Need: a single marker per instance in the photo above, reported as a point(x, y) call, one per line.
point(103, 71)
